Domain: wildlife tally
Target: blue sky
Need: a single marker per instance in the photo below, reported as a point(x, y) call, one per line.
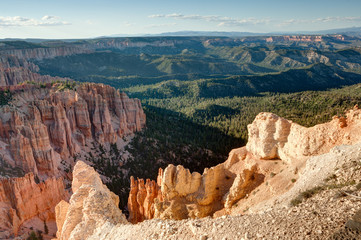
point(86, 19)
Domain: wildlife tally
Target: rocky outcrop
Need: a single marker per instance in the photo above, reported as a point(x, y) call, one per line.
point(44, 125)
point(242, 185)
point(14, 70)
point(14, 76)
point(296, 38)
point(44, 52)
point(23, 198)
point(8, 61)
point(272, 137)
point(187, 195)
point(141, 199)
point(90, 206)
point(274, 158)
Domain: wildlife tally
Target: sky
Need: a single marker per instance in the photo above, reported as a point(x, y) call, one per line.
point(69, 19)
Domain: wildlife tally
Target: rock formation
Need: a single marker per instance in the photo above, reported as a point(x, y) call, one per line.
point(323, 216)
point(268, 166)
point(46, 126)
point(141, 198)
point(14, 70)
point(43, 52)
point(43, 125)
point(90, 206)
point(272, 137)
point(245, 181)
point(22, 199)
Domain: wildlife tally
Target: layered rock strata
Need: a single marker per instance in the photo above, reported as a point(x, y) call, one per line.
point(268, 166)
point(23, 198)
point(44, 52)
point(90, 206)
point(44, 125)
point(14, 70)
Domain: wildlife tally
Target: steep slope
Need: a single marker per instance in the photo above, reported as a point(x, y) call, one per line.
point(43, 130)
point(315, 77)
point(90, 206)
point(27, 50)
point(15, 70)
point(42, 126)
point(268, 166)
point(16, 56)
point(186, 195)
point(22, 199)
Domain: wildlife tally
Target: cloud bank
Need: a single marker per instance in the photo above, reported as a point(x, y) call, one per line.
point(223, 21)
point(219, 20)
point(18, 21)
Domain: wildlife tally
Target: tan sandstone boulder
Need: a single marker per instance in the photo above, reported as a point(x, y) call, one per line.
point(90, 206)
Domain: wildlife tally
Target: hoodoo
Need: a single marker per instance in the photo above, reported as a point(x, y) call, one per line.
point(43, 128)
point(44, 125)
point(250, 169)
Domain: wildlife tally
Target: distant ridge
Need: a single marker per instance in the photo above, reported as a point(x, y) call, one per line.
point(210, 34)
point(352, 31)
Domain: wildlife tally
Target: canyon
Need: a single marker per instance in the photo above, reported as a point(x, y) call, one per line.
point(15, 70)
point(276, 154)
point(280, 160)
point(44, 125)
point(53, 131)
point(47, 123)
point(23, 198)
point(43, 129)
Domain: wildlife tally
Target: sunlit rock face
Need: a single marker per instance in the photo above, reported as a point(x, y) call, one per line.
point(90, 206)
point(42, 130)
point(44, 125)
point(22, 199)
point(275, 146)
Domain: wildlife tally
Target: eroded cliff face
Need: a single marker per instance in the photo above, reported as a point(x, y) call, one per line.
point(44, 125)
point(90, 206)
point(44, 52)
point(42, 130)
point(22, 199)
point(16, 66)
point(268, 166)
point(15, 70)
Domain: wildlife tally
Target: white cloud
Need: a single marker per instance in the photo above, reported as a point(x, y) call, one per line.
point(49, 18)
point(243, 22)
point(223, 21)
point(320, 20)
point(338, 19)
point(161, 25)
point(18, 21)
point(220, 20)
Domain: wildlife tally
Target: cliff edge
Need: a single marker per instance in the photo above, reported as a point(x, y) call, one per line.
point(248, 195)
point(278, 153)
